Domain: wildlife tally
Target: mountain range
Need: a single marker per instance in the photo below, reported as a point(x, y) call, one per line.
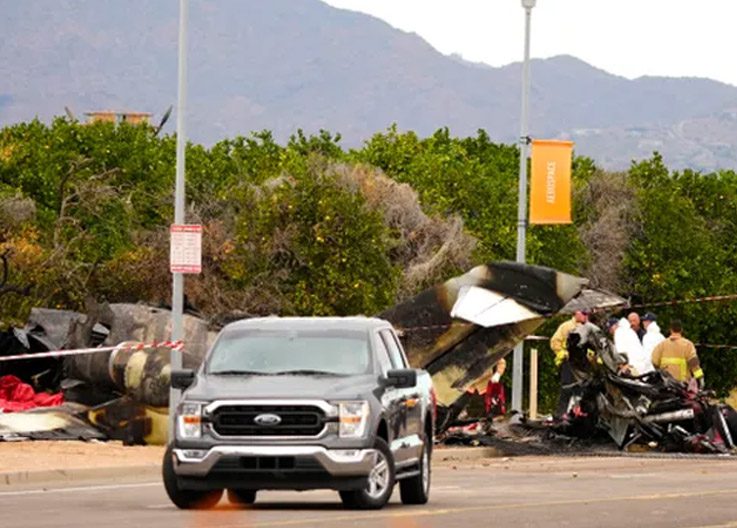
point(288, 64)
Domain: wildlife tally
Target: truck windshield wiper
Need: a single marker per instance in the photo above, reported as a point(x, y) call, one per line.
point(307, 372)
point(238, 373)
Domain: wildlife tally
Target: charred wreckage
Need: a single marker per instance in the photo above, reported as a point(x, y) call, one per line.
point(457, 331)
point(653, 409)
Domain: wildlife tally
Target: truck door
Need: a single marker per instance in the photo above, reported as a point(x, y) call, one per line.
point(410, 409)
point(392, 400)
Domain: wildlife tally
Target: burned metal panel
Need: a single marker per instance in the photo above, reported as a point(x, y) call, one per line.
point(459, 368)
point(542, 289)
point(142, 374)
point(426, 328)
point(65, 422)
point(40, 373)
point(459, 351)
point(595, 300)
point(138, 322)
point(54, 326)
point(425, 321)
point(131, 323)
point(131, 422)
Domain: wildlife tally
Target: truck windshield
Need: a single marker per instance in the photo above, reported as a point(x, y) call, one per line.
point(271, 352)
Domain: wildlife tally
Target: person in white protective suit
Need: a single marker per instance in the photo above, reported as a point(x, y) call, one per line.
point(653, 335)
point(626, 342)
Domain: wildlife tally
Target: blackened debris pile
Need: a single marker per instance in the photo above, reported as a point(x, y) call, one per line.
point(611, 409)
point(118, 394)
point(652, 409)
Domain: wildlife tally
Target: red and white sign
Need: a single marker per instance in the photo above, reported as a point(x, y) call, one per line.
point(185, 254)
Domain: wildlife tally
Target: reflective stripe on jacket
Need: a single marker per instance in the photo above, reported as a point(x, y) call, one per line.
point(677, 356)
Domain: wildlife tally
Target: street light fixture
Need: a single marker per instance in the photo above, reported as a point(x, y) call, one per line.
point(522, 198)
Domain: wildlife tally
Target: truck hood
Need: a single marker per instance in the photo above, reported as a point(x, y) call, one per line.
point(209, 388)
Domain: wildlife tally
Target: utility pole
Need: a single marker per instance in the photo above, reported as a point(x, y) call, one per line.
point(522, 203)
point(177, 302)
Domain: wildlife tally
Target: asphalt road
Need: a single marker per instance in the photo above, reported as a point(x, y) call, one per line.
point(570, 492)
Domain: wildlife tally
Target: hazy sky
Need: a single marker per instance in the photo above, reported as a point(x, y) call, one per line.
point(625, 37)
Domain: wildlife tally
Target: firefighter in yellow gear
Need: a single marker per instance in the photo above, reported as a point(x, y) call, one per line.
point(677, 356)
point(558, 343)
point(559, 339)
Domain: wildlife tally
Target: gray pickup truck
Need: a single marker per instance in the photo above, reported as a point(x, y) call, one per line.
point(302, 403)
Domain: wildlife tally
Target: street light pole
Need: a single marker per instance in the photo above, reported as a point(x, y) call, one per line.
point(522, 198)
point(177, 303)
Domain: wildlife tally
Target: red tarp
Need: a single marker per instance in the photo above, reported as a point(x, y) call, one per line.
point(18, 396)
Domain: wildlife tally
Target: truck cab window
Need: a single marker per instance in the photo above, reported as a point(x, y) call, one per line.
point(382, 355)
point(395, 353)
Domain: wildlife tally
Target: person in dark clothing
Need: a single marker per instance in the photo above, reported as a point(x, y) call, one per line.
point(558, 343)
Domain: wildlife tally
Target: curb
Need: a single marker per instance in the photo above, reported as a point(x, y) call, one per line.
point(59, 476)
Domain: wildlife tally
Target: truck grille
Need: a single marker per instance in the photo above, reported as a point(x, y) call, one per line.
point(296, 420)
point(251, 464)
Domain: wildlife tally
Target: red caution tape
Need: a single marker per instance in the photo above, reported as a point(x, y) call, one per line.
point(673, 302)
point(174, 345)
point(722, 347)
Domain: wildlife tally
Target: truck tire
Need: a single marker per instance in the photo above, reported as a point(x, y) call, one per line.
point(186, 499)
point(381, 482)
point(241, 497)
point(416, 490)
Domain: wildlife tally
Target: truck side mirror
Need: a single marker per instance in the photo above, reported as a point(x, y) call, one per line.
point(400, 378)
point(182, 379)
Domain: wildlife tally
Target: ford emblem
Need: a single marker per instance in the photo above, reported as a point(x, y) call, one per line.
point(267, 419)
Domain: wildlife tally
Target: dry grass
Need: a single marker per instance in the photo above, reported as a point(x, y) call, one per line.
point(15, 210)
point(426, 247)
point(607, 235)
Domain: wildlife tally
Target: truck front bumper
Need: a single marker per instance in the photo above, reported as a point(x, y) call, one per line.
point(283, 459)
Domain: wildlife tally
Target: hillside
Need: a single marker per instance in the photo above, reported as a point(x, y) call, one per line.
point(288, 64)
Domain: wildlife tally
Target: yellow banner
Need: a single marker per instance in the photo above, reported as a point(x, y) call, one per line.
point(550, 184)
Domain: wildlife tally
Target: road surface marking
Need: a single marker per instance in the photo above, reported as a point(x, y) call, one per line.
point(410, 512)
point(635, 475)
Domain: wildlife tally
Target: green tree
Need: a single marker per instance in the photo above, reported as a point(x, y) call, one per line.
point(683, 251)
point(313, 246)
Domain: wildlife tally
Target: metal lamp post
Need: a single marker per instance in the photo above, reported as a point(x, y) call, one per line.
point(177, 304)
point(522, 203)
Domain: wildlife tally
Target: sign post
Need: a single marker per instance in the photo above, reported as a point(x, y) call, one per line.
point(522, 197)
point(177, 285)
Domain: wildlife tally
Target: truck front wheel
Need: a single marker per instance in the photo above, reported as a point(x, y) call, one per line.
point(380, 482)
point(186, 499)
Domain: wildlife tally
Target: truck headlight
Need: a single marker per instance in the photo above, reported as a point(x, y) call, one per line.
point(352, 417)
point(189, 420)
